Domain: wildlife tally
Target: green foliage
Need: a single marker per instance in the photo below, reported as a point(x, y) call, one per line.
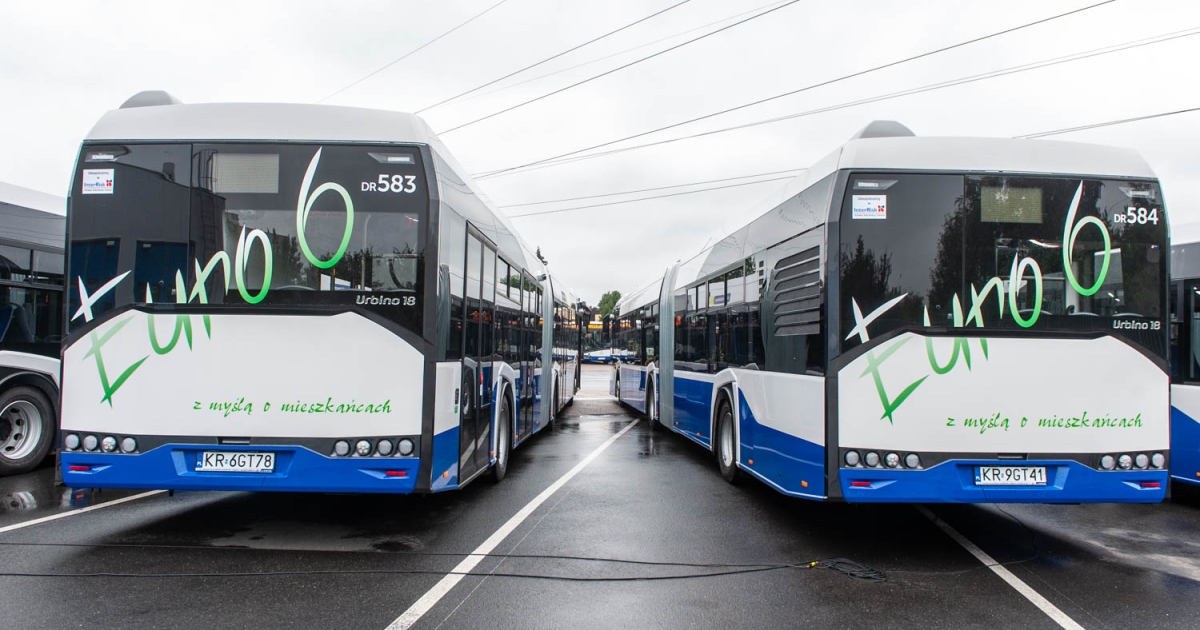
point(608, 301)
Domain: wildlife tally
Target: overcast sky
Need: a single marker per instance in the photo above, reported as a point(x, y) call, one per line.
point(65, 63)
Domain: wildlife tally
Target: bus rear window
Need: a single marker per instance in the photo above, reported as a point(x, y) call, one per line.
point(1024, 253)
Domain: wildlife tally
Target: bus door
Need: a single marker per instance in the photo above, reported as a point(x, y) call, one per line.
point(530, 349)
point(1189, 333)
point(479, 316)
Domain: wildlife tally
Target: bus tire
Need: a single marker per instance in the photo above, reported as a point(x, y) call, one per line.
point(503, 440)
point(554, 408)
point(27, 429)
point(650, 402)
point(725, 442)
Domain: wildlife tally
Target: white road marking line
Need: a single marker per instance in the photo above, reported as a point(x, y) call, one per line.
point(55, 517)
point(595, 398)
point(439, 590)
point(1021, 587)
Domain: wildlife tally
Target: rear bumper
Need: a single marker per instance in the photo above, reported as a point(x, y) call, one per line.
point(954, 482)
point(173, 467)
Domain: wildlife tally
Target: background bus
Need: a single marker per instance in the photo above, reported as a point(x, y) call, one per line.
point(31, 285)
point(296, 297)
point(928, 319)
point(1185, 354)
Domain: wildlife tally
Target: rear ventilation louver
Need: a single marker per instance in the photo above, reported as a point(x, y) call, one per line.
point(797, 288)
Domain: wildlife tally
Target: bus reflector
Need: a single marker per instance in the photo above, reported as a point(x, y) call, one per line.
point(396, 473)
point(78, 468)
point(752, 462)
point(1150, 484)
point(860, 484)
point(803, 483)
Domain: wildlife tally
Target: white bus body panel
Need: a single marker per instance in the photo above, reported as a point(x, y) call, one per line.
point(1026, 396)
point(370, 378)
point(789, 403)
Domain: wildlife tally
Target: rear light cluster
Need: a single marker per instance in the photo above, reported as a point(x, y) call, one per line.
point(106, 444)
point(403, 447)
point(1133, 461)
point(872, 459)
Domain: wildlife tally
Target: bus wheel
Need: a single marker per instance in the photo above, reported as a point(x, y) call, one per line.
point(26, 429)
point(724, 443)
point(554, 406)
point(650, 402)
point(503, 440)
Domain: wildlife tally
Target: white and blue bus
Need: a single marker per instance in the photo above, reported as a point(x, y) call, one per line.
point(31, 288)
point(925, 320)
point(1185, 354)
point(297, 298)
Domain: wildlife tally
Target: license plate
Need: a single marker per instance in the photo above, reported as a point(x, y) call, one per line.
point(1010, 475)
point(235, 461)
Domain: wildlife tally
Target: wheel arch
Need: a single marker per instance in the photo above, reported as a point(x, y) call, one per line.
point(728, 390)
point(38, 381)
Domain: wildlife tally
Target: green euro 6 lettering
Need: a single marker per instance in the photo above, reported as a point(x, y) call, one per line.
point(304, 203)
point(242, 259)
point(1070, 233)
point(183, 323)
point(1021, 267)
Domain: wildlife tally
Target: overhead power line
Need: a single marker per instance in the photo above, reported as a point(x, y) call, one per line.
point(804, 89)
point(548, 59)
point(614, 203)
point(619, 68)
point(641, 190)
point(1040, 134)
point(875, 99)
point(412, 52)
point(1109, 123)
point(628, 50)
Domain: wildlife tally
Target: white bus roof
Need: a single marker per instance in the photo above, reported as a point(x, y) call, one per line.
point(260, 121)
point(991, 155)
point(32, 218)
point(13, 195)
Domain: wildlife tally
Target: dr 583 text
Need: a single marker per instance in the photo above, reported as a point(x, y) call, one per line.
point(392, 184)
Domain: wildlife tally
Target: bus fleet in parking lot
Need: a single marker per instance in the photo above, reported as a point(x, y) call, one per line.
point(281, 297)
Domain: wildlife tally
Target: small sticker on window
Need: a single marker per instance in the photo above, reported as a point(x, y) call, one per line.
point(869, 207)
point(98, 181)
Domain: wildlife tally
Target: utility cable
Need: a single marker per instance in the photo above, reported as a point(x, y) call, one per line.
point(875, 99)
point(628, 50)
point(412, 52)
point(619, 68)
point(1041, 134)
point(1108, 123)
point(549, 59)
point(809, 87)
point(641, 190)
point(615, 203)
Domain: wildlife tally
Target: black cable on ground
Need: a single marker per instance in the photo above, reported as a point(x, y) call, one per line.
point(850, 568)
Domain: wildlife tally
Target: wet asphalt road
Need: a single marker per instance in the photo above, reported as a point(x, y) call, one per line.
point(240, 560)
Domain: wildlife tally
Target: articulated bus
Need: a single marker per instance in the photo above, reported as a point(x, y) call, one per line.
point(31, 287)
point(1185, 355)
point(297, 298)
point(925, 320)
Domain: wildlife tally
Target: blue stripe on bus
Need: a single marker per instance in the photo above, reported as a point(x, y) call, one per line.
point(782, 460)
point(445, 460)
point(954, 482)
point(173, 467)
point(1185, 447)
point(693, 409)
